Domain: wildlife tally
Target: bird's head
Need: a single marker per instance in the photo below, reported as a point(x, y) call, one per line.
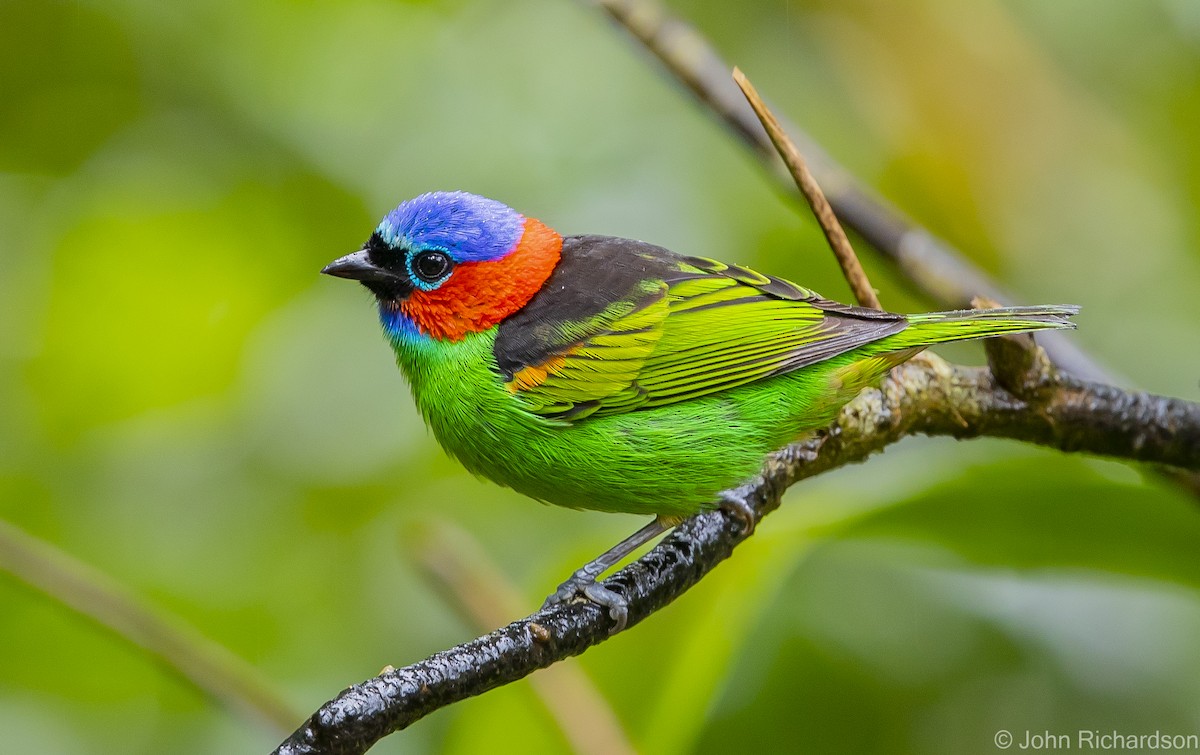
point(447, 264)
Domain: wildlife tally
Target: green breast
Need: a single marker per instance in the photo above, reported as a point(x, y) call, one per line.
point(669, 460)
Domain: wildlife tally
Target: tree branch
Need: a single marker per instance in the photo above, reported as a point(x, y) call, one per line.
point(457, 566)
point(1023, 396)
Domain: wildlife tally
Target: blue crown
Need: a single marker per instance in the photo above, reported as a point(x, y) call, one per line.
point(468, 227)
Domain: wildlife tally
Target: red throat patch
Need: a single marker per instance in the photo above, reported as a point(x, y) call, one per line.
point(479, 295)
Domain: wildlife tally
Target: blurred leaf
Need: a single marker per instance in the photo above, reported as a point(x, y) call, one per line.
point(1052, 511)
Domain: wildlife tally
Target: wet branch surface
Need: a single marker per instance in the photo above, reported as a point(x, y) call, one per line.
point(1022, 396)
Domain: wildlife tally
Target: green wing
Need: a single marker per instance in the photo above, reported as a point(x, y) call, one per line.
point(702, 328)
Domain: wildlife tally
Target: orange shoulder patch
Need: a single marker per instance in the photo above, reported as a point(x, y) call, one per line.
point(535, 374)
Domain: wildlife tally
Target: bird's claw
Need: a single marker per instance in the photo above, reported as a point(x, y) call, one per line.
point(584, 584)
point(735, 504)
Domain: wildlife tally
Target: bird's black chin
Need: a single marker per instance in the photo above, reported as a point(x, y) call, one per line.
point(389, 291)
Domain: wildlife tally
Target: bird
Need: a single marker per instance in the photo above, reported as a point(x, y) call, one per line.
point(597, 372)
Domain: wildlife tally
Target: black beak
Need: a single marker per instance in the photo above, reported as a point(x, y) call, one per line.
point(358, 266)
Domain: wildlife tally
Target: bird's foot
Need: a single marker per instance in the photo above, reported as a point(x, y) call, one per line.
point(583, 583)
point(735, 503)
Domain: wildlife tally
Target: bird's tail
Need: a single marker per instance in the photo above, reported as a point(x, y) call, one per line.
point(940, 327)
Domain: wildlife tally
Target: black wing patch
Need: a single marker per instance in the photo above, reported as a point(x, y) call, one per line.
point(595, 276)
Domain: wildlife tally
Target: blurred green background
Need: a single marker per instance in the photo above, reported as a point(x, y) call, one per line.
point(188, 407)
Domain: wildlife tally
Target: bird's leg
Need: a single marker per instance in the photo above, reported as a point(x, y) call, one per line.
point(583, 581)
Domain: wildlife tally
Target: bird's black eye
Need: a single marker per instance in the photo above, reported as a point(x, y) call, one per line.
point(431, 266)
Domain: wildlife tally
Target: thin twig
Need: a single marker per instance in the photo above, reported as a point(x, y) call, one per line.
point(1039, 405)
point(935, 267)
point(210, 667)
point(852, 269)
